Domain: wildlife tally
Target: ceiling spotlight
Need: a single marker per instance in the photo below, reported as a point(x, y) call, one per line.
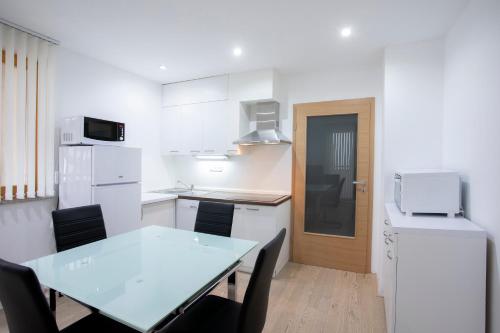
point(346, 32)
point(237, 51)
point(163, 67)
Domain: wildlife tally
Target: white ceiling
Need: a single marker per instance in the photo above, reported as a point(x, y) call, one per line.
point(195, 38)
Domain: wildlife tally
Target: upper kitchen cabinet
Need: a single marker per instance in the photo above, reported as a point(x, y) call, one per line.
point(206, 116)
point(204, 90)
point(194, 129)
point(219, 128)
point(254, 86)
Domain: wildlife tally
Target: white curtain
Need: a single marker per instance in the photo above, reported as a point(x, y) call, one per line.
point(26, 116)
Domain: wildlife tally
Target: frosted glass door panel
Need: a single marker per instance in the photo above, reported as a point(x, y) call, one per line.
point(330, 202)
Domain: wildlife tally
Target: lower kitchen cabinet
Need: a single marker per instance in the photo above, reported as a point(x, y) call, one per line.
point(252, 222)
point(185, 215)
point(434, 274)
point(160, 213)
point(262, 224)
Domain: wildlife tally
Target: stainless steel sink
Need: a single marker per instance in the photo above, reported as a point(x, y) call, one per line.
point(182, 191)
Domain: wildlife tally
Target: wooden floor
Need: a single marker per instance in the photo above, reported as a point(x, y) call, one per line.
point(303, 299)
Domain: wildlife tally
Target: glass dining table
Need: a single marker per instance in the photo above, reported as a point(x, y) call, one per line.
point(143, 277)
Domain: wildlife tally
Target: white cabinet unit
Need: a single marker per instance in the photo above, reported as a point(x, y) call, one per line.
point(205, 128)
point(160, 213)
point(170, 135)
point(191, 127)
point(434, 274)
point(218, 120)
point(208, 89)
point(262, 224)
point(254, 86)
point(185, 214)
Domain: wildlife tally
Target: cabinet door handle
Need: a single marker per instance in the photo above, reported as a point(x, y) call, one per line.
point(193, 206)
point(194, 151)
point(174, 151)
point(389, 254)
point(253, 209)
point(209, 150)
point(386, 222)
point(237, 208)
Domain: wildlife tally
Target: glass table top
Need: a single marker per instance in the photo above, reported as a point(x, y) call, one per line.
point(140, 277)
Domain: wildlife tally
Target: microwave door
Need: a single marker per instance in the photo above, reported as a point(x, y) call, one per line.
point(103, 130)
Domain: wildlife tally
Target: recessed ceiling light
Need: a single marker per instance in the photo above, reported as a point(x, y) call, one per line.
point(346, 32)
point(163, 67)
point(237, 51)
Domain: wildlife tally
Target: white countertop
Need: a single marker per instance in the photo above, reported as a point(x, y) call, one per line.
point(148, 197)
point(430, 223)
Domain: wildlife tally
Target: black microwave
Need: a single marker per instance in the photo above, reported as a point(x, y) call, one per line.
point(87, 130)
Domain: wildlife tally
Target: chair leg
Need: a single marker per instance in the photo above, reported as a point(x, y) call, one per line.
point(231, 287)
point(52, 300)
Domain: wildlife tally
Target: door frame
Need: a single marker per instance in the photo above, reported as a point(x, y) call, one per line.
point(371, 102)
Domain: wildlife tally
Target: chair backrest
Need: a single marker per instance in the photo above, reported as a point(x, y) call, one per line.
point(214, 218)
point(25, 306)
point(78, 226)
point(254, 309)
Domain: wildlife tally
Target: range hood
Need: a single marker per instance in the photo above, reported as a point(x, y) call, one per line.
point(266, 115)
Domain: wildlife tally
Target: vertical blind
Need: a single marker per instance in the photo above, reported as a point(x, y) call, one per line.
point(26, 116)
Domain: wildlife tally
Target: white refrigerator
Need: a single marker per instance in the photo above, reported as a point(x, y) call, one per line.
point(105, 175)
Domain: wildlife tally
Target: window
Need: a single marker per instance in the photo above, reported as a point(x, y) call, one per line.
point(26, 116)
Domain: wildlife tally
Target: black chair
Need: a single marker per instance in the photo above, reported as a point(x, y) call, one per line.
point(217, 314)
point(214, 218)
point(27, 311)
point(78, 226)
point(74, 227)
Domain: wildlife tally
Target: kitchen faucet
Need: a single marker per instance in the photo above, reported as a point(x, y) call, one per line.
point(189, 187)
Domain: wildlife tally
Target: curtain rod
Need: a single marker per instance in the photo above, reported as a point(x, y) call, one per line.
point(29, 31)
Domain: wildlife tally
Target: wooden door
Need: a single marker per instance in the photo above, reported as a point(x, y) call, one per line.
point(332, 184)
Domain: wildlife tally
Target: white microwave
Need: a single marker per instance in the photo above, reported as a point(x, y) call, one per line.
point(82, 130)
point(427, 191)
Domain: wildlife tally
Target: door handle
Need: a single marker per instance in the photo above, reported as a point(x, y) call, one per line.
point(362, 183)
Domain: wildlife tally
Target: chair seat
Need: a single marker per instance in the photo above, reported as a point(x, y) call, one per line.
point(97, 323)
point(210, 314)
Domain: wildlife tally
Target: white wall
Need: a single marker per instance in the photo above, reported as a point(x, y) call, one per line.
point(413, 112)
point(89, 87)
point(471, 126)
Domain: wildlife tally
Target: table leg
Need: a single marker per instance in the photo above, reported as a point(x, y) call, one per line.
point(231, 287)
point(52, 300)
